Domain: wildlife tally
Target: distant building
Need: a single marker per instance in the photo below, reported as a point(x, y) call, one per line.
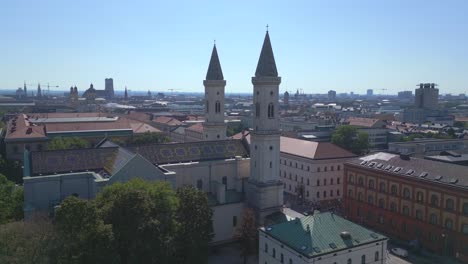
point(405, 95)
point(370, 92)
point(425, 147)
point(331, 95)
point(375, 128)
point(321, 238)
point(427, 96)
point(109, 88)
point(286, 98)
point(410, 199)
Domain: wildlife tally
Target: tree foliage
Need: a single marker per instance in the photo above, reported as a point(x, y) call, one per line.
point(247, 234)
point(11, 201)
point(349, 138)
point(67, 143)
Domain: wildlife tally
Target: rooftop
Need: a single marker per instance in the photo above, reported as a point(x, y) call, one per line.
point(414, 168)
point(321, 233)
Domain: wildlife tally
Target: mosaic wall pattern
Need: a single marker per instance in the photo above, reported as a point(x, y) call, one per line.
point(193, 151)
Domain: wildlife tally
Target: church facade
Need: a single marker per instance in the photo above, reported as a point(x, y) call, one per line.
point(233, 173)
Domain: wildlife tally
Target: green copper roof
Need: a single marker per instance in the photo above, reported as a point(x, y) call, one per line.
point(325, 235)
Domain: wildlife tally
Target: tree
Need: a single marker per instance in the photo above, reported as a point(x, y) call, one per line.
point(195, 226)
point(83, 236)
point(142, 216)
point(247, 234)
point(11, 201)
point(59, 143)
point(349, 138)
point(27, 242)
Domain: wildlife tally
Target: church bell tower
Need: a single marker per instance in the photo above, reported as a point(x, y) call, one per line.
point(264, 189)
point(214, 127)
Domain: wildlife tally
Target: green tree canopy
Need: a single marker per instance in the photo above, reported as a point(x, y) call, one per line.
point(247, 234)
point(11, 201)
point(67, 143)
point(349, 138)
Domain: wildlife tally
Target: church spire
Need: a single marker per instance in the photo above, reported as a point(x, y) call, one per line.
point(214, 69)
point(266, 66)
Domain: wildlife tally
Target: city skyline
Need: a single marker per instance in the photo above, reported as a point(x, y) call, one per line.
point(161, 46)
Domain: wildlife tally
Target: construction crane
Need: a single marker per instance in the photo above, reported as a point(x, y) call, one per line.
point(172, 91)
point(383, 90)
point(48, 88)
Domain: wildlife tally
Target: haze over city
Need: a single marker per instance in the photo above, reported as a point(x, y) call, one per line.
point(319, 45)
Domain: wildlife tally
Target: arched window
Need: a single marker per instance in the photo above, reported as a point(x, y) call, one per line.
point(406, 193)
point(199, 184)
point(271, 110)
point(371, 184)
point(370, 199)
point(465, 208)
point(419, 215)
point(361, 181)
point(392, 207)
point(449, 204)
point(376, 256)
point(350, 193)
point(382, 186)
point(359, 196)
point(393, 190)
point(448, 223)
point(419, 197)
point(257, 109)
point(434, 200)
point(405, 210)
point(217, 107)
point(381, 203)
point(433, 219)
point(207, 106)
point(363, 259)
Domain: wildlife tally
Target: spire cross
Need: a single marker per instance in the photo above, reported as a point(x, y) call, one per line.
point(214, 41)
point(267, 27)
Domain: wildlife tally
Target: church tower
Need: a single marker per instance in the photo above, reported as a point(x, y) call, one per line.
point(214, 127)
point(264, 189)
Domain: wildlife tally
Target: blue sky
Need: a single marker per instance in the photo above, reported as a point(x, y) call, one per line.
point(319, 45)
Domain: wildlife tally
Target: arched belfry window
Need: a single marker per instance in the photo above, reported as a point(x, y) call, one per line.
point(271, 110)
point(207, 106)
point(217, 107)
point(257, 109)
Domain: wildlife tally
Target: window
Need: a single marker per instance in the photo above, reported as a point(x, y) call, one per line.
point(331, 193)
point(338, 192)
point(465, 208)
point(381, 219)
point(281, 258)
point(318, 182)
point(224, 180)
point(434, 200)
point(325, 169)
point(381, 203)
point(358, 211)
point(307, 193)
point(271, 110)
point(290, 261)
point(207, 106)
point(350, 193)
point(406, 193)
point(376, 256)
point(234, 221)
point(324, 194)
point(266, 248)
point(331, 181)
point(217, 107)
point(271, 164)
point(371, 184)
point(302, 179)
point(392, 207)
point(359, 196)
point(369, 215)
point(419, 197)
point(324, 181)
point(449, 204)
point(433, 219)
point(338, 181)
point(419, 215)
point(318, 169)
point(449, 224)
point(349, 261)
point(338, 167)
point(308, 168)
point(393, 190)
point(351, 179)
point(406, 210)
point(361, 181)
point(332, 168)
point(465, 229)
point(382, 186)
point(370, 199)
point(274, 253)
point(257, 109)
point(295, 177)
point(308, 183)
point(200, 184)
point(318, 194)
point(363, 259)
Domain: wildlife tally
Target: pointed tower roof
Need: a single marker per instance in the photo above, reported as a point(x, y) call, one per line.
point(266, 66)
point(214, 69)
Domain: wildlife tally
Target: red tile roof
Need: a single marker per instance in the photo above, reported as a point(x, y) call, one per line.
point(198, 127)
point(365, 122)
point(167, 120)
point(20, 128)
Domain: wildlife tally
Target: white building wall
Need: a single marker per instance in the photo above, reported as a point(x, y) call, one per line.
point(290, 256)
point(317, 176)
point(226, 220)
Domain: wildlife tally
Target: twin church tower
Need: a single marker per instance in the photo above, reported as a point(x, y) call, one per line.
point(264, 189)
